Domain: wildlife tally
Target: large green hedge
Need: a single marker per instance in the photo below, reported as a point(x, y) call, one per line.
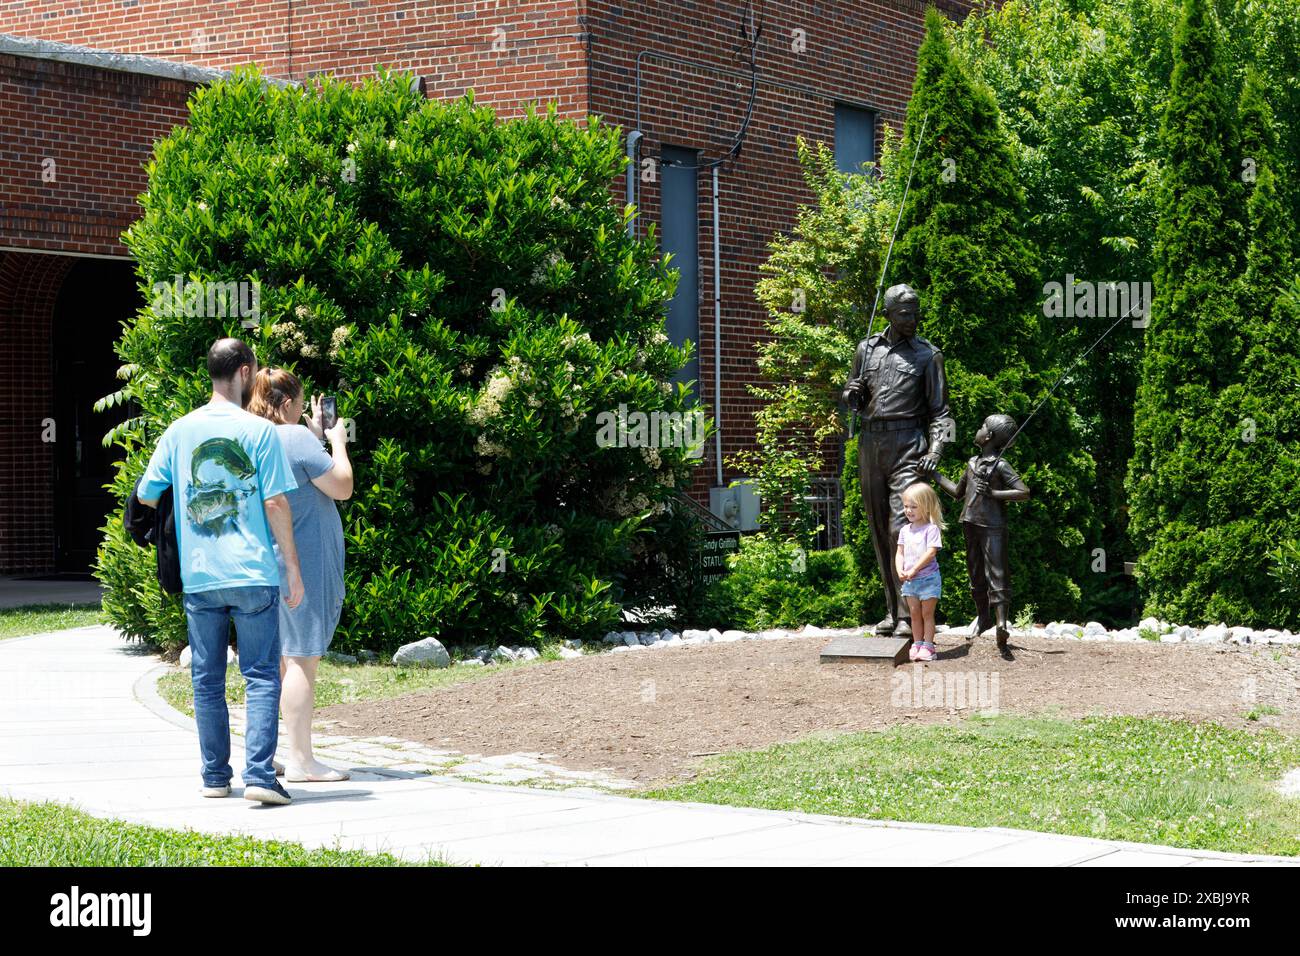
point(468, 290)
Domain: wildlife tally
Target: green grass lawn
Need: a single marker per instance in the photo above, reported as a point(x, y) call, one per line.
point(1200, 786)
point(344, 683)
point(48, 834)
point(39, 618)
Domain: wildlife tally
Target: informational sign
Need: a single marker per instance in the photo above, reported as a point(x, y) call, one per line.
point(714, 550)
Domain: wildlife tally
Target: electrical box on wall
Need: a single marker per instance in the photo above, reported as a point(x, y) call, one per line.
point(737, 505)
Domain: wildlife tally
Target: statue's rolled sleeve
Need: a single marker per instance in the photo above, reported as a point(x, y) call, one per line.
point(943, 428)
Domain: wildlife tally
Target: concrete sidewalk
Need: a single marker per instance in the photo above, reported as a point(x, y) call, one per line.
point(76, 728)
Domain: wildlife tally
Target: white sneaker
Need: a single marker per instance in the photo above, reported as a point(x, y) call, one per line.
point(223, 791)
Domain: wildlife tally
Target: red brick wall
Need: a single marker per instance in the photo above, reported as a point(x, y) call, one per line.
point(863, 52)
point(508, 51)
point(29, 285)
point(98, 127)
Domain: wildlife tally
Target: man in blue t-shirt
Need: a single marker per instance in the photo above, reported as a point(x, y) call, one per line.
point(229, 476)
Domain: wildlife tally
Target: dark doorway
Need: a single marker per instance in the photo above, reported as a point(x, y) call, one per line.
point(96, 297)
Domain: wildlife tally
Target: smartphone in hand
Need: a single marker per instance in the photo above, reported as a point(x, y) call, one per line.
point(329, 412)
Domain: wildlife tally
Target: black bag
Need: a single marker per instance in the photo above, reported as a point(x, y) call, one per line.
point(157, 527)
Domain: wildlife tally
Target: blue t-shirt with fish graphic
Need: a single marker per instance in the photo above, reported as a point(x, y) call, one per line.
point(222, 463)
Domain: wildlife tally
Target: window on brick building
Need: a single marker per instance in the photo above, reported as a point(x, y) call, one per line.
point(855, 138)
point(679, 235)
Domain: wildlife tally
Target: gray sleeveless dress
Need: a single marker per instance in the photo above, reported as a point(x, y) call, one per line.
point(306, 631)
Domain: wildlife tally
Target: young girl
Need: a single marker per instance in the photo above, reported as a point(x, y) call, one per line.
point(918, 571)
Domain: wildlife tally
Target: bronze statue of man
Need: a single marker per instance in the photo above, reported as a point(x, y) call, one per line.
point(898, 387)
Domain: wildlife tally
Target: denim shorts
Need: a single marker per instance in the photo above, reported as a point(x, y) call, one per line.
point(923, 588)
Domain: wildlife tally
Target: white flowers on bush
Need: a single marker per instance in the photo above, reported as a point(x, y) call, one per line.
point(291, 338)
point(489, 402)
point(337, 339)
point(488, 448)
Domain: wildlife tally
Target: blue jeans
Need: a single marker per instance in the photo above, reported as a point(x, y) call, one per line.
point(256, 613)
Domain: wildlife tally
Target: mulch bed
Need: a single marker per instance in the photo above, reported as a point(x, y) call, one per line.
point(651, 715)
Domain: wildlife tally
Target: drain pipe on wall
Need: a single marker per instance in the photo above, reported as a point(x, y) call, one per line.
point(717, 333)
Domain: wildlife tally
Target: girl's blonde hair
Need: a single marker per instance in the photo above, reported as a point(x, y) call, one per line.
point(923, 496)
point(273, 389)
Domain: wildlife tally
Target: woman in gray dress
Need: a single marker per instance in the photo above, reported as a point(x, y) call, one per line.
point(306, 631)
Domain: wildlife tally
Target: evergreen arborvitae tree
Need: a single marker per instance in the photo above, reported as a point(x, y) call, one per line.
point(1217, 458)
point(961, 247)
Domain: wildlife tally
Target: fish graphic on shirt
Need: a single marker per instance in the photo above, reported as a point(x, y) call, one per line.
point(221, 477)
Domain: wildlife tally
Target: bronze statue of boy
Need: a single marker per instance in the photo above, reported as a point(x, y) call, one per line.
point(986, 484)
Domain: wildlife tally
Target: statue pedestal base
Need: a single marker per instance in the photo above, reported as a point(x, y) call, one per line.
point(863, 650)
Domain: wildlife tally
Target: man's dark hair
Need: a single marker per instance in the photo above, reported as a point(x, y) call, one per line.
point(227, 357)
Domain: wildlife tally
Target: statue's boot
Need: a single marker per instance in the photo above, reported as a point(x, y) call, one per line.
point(885, 627)
point(1000, 610)
point(903, 628)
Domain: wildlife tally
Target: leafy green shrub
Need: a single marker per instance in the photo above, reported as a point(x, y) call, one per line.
point(775, 583)
point(469, 293)
point(133, 601)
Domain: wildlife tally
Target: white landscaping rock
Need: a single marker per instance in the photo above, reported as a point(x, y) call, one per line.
point(694, 636)
point(568, 653)
point(1242, 635)
point(726, 637)
point(1063, 629)
point(426, 653)
point(630, 639)
point(1214, 634)
point(714, 635)
point(526, 654)
point(504, 654)
point(1154, 624)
